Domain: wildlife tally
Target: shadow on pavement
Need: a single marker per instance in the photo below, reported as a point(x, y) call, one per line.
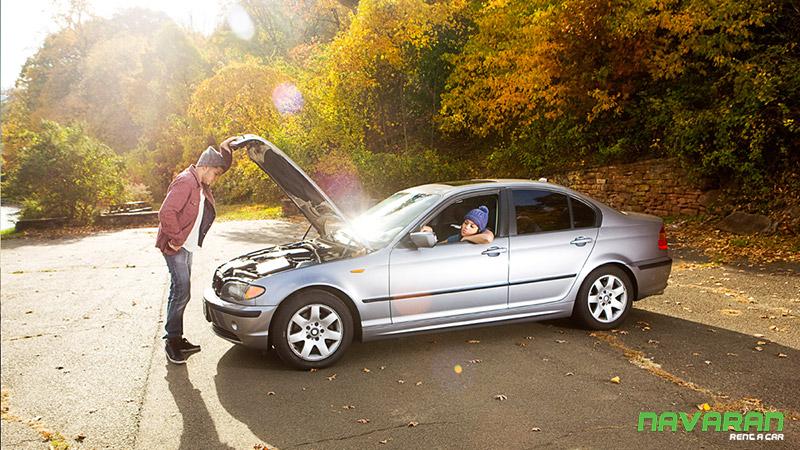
point(198, 427)
point(306, 408)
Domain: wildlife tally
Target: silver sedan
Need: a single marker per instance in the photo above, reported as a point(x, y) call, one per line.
point(555, 253)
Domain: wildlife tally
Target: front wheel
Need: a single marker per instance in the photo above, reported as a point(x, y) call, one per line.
point(604, 299)
point(313, 330)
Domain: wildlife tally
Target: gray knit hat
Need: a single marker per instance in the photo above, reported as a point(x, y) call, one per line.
point(212, 158)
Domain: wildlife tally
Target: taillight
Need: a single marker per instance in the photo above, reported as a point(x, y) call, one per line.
point(662, 238)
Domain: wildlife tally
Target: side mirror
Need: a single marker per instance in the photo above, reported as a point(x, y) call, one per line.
point(423, 239)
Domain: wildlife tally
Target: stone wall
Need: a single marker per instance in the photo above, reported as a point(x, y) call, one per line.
point(659, 186)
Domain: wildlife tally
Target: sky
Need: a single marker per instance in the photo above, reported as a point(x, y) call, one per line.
point(24, 24)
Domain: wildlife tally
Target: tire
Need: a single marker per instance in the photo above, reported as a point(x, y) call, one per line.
point(312, 330)
point(604, 299)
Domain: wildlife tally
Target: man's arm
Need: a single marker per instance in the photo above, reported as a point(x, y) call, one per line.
point(481, 238)
point(177, 197)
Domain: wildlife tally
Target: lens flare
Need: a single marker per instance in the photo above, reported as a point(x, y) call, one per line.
point(457, 369)
point(287, 98)
point(240, 22)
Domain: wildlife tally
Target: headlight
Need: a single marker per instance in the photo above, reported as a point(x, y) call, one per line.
point(239, 291)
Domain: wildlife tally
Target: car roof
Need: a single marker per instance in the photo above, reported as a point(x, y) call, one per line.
point(451, 187)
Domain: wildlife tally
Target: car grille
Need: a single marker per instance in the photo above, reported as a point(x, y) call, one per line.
point(225, 333)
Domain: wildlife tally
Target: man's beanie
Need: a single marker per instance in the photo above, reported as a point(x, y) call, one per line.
point(213, 158)
point(479, 216)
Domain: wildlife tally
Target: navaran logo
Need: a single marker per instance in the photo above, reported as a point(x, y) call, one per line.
point(752, 426)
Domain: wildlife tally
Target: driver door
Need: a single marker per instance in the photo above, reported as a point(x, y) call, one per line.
point(449, 279)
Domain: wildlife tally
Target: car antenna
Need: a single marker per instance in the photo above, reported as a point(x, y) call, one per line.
point(306, 233)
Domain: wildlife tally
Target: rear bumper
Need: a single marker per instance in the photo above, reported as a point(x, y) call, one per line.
point(652, 276)
point(246, 325)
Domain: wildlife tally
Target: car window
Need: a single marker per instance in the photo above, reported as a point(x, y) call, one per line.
point(448, 222)
point(381, 223)
point(583, 216)
point(539, 211)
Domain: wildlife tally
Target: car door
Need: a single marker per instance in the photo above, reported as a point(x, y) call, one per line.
point(449, 279)
point(551, 237)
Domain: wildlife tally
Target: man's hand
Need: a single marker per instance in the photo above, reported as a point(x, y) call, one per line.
point(173, 246)
point(226, 144)
point(425, 229)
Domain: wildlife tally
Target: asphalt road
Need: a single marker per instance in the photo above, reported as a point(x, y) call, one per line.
point(82, 356)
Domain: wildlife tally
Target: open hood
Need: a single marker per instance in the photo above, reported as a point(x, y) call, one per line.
point(323, 214)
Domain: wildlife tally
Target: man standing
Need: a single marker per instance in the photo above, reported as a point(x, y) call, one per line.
point(184, 219)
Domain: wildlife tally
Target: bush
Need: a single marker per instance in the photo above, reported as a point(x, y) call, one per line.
point(65, 173)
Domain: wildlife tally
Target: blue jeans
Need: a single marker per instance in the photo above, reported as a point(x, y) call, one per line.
point(180, 271)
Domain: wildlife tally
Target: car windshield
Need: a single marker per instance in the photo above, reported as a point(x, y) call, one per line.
point(381, 223)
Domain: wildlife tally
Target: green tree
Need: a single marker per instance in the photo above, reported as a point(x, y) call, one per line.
point(64, 172)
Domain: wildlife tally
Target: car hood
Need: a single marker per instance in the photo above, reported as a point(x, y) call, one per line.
point(323, 214)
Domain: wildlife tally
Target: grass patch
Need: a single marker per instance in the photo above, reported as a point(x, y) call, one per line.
point(8, 232)
point(248, 212)
point(740, 242)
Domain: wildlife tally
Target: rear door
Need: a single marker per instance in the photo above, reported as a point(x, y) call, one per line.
point(551, 237)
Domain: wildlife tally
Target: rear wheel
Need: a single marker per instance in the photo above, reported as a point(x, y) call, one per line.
point(312, 330)
point(605, 298)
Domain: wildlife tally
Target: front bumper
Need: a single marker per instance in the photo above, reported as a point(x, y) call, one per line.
point(246, 325)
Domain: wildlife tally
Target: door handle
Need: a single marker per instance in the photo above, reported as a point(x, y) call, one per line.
point(580, 241)
point(494, 251)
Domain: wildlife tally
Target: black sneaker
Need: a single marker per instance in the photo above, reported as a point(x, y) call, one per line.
point(187, 347)
point(174, 353)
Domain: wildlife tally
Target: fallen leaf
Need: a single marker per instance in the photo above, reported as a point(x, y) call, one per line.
point(521, 344)
point(652, 341)
point(536, 429)
point(704, 407)
point(331, 378)
point(473, 341)
point(560, 341)
point(569, 374)
point(412, 424)
point(418, 383)
point(401, 381)
point(501, 397)
point(80, 437)
point(475, 361)
point(761, 343)
point(271, 393)
point(363, 421)
point(383, 441)
point(758, 349)
point(312, 370)
point(732, 354)
point(695, 353)
point(615, 380)
point(782, 355)
point(383, 367)
point(348, 407)
point(530, 338)
point(365, 370)
point(707, 362)
point(623, 332)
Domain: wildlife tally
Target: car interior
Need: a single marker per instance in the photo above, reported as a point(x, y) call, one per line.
point(448, 222)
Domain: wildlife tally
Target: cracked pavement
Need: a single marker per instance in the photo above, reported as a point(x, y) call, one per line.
point(82, 354)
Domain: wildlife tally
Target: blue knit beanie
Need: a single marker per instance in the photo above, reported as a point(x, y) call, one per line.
point(479, 216)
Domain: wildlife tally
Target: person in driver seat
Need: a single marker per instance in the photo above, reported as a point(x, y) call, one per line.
point(473, 228)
